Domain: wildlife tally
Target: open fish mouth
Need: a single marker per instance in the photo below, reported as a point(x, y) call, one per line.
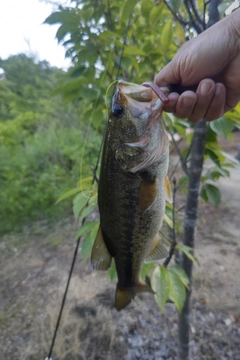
point(143, 106)
point(143, 93)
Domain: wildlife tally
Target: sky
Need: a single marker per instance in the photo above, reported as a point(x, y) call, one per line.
point(22, 30)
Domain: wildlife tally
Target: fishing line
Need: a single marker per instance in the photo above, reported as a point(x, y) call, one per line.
point(93, 180)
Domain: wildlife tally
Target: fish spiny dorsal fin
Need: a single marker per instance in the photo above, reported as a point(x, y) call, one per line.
point(124, 296)
point(157, 252)
point(100, 257)
point(168, 190)
point(147, 194)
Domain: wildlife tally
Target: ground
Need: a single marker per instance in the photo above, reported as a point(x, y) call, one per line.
point(33, 271)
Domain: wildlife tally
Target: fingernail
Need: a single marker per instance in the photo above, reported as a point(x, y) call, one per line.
point(205, 87)
point(188, 102)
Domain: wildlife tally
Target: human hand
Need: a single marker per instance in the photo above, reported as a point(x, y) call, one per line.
point(210, 63)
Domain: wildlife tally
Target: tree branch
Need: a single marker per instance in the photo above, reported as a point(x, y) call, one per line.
point(193, 21)
point(176, 17)
point(189, 230)
point(183, 163)
point(199, 18)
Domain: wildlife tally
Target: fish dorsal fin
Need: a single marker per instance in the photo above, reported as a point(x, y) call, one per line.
point(100, 257)
point(157, 252)
point(168, 190)
point(123, 297)
point(147, 194)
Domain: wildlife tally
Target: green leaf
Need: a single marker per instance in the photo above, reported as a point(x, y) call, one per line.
point(203, 194)
point(187, 250)
point(127, 8)
point(54, 18)
point(77, 71)
point(213, 156)
point(88, 241)
point(133, 50)
point(155, 14)
point(175, 5)
point(177, 290)
point(222, 126)
point(97, 118)
point(85, 183)
point(166, 35)
point(211, 175)
point(180, 129)
point(112, 273)
point(87, 14)
point(145, 269)
point(211, 135)
point(87, 211)
point(146, 8)
point(180, 33)
point(68, 193)
point(80, 201)
point(181, 274)
point(183, 180)
point(62, 32)
point(168, 220)
point(224, 155)
point(160, 283)
point(85, 228)
point(73, 85)
point(213, 194)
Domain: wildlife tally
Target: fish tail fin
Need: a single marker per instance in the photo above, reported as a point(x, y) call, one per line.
point(123, 297)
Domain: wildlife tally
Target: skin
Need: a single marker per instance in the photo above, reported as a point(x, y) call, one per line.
point(211, 63)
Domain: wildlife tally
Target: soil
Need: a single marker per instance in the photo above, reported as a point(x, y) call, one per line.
point(34, 267)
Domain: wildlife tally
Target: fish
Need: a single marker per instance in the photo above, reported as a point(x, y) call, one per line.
point(133, 188)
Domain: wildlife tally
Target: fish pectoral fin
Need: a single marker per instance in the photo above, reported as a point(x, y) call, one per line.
point(147, 194)
point(124, 296)
point(100, 258)
point(158, 251)
point(168, 190)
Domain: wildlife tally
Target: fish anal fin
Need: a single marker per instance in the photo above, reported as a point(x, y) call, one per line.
point(124, 296)
point(158, 251)
point(147, 194)
point(100, 258)
point(168, 190)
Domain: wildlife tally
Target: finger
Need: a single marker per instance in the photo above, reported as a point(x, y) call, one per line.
point(216, 107)
point(205, 93)
point(185, 104)
point(232, 99)
point(173, 99)
point(168, 75)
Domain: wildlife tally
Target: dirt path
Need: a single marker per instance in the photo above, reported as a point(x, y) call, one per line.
point(33, 273)
point(218, 247)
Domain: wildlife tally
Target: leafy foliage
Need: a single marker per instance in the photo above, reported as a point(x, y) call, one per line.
point(41, 143)
point(170, 284)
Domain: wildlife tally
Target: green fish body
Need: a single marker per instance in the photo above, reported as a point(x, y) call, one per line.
point(133, 186)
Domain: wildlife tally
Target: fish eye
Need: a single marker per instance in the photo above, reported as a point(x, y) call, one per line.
point(117, 111)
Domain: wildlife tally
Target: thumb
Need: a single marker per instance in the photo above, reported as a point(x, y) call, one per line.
point(168, 75)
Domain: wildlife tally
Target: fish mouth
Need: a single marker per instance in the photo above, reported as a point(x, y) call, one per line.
point(146, 92)
point(135, 92)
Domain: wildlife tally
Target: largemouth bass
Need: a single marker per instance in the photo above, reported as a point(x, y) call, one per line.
point(133, 187)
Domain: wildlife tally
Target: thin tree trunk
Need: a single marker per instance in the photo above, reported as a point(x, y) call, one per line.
point(191, 207)
point(189, 230)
